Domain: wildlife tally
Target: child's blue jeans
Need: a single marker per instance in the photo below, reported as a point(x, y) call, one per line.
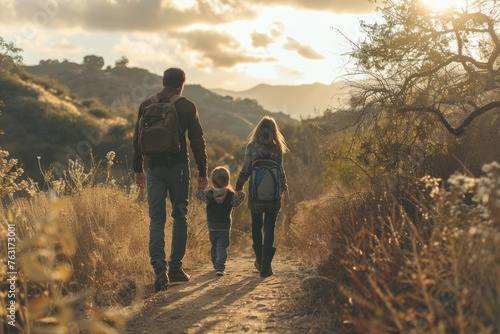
point(218, 252)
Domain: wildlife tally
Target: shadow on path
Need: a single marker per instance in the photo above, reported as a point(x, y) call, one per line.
point(198, 306)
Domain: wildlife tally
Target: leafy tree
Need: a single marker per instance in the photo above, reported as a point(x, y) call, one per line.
point(440, 63)
point(93, 63)
point(122, 62)
point(9, 55)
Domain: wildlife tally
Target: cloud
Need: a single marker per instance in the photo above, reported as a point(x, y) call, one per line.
point(146, 50)
point(65, 46)
point(334, 6)
point(338, 7)
point(303, 50)
point(152, 15)
point(137, 15)
point(260, 40)
point(277, 29)
point(216, 48)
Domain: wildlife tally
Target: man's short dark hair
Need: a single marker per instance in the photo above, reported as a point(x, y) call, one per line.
point(174, 77)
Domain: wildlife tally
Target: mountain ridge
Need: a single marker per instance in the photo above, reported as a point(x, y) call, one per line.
point(60, 111)
point(123, 89)
point(298, 101)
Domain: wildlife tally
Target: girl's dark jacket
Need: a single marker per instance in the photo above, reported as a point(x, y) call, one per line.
point(253, 151)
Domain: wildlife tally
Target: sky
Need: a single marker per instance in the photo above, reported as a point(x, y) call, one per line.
point(229, 44)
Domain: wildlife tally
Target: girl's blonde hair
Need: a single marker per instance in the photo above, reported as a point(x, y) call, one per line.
point(267, 132)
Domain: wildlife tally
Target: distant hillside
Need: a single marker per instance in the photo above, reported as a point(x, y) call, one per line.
point(60, 111)
point(122, 89)
point(297, 101)
point(237, 117)
point(39, 119)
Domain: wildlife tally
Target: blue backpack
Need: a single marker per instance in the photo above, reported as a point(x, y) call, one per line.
point(265, 180)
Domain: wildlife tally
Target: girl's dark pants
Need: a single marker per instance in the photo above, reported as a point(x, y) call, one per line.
point(263, 226)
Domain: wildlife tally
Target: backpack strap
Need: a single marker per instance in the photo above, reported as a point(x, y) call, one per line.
point(267, 155)
point(176, 98)
point(154, 98)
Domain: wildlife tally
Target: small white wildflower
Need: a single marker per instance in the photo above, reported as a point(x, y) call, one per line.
point(110, 156)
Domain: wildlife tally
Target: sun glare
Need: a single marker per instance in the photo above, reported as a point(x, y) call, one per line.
point(439, 5)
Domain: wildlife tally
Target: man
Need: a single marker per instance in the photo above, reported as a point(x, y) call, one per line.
point(170, 175)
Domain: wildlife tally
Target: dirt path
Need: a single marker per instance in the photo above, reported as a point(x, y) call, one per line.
point(238, 302)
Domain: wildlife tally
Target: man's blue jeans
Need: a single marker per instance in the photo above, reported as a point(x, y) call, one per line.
point(218, 252)
point(263, 221)
point(174, 181)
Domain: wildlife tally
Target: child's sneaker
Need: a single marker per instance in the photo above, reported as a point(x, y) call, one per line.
point(220, 273)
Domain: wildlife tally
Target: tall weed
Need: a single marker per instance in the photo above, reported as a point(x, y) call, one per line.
point(435, 271)
point(83, 249)
point(44, 299)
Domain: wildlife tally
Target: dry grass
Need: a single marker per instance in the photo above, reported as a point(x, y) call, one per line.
point(83, 258)
point(386, 273)
point(83, 251)
point(46, 297)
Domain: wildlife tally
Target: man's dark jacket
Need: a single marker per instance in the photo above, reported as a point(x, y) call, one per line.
point(188, 121)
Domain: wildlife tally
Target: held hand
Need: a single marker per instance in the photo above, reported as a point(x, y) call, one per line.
point(285, 199)
point(202, 183)
point(140, 179)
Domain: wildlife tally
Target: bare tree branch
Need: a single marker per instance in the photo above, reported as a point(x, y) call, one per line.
point(425, 62)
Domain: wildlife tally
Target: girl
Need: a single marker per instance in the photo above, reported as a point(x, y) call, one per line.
point(265, 142)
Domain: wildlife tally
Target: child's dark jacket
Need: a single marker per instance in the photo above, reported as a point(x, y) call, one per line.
point(220, 203)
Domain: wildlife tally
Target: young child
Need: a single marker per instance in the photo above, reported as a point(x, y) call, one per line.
point(220, 201)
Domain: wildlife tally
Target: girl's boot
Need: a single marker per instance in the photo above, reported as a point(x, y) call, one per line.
point(267, 258)
point(258, 256)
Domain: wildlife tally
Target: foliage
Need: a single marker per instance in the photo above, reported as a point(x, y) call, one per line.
point(305, 163)
point(51, 85)
point(222, 148)
point(93, 63)
point(101, 112)
point(385, 150)
point(10, 174)
point(76, 176)
point(41, 119)
point(45, 294)
point(10, 56)
point(443, 63)
point(470, 152)
point(44, 300)
point(400, 258)
point(123, 61)
point(413, 61)
point(48, 305)
point(123, 89)
point(388, 272)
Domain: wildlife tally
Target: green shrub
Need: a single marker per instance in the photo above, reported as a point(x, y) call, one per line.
point(101, 112)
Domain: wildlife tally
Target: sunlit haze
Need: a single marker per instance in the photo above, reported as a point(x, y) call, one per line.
point(439, 5)
point(220, 44)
